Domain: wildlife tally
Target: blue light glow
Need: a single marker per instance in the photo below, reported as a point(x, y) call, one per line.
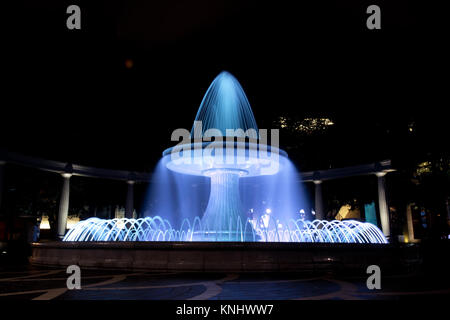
point(254, 197)
point(159, 229)
point(225, 106)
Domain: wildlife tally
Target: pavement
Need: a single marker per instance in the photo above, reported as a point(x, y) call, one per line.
point(26, 282)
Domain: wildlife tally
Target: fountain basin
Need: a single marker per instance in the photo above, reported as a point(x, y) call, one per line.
point(222, 257)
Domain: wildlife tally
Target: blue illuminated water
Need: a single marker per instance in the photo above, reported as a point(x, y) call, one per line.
point(225, 106)
point(207, 199)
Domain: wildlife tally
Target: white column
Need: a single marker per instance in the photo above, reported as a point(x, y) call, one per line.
point(318, 201)
point(129, 207)
point(2, 171)
point(409, 222)
point(382, 204)
point(447, 203)
point(64, 205)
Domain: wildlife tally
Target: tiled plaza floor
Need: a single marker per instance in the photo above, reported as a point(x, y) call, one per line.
point(37, 283)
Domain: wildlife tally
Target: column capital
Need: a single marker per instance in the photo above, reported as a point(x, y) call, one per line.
point(317, 181)
point(380, 174)
point(131, 181)
point(131, 176)
point(316, 175)
point(68, 170)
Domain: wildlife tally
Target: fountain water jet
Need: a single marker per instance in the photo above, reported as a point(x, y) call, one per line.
point(226, 115)
point(236, 153)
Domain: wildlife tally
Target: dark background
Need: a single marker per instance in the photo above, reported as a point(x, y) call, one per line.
point(69, 95)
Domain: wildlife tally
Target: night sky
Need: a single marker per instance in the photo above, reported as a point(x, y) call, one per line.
point(70, 96)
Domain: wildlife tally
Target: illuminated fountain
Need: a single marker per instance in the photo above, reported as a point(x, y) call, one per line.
point(226, 147)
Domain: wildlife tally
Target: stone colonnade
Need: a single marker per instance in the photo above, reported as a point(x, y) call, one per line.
point(67, 171)
point(382, 201)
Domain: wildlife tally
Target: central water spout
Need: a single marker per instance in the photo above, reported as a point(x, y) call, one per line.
point(223, 214)
point(224, 110)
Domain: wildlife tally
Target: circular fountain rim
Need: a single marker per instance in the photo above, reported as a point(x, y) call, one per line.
point(238, 144)
point(211, 171)
point(255, 159)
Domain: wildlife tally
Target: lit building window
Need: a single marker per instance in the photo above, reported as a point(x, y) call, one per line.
point(423, 168)
point(305, 126)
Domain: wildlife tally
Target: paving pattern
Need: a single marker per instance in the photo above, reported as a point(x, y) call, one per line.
point(38, 283)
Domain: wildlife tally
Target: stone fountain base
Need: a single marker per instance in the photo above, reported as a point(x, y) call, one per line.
point(224, 256)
